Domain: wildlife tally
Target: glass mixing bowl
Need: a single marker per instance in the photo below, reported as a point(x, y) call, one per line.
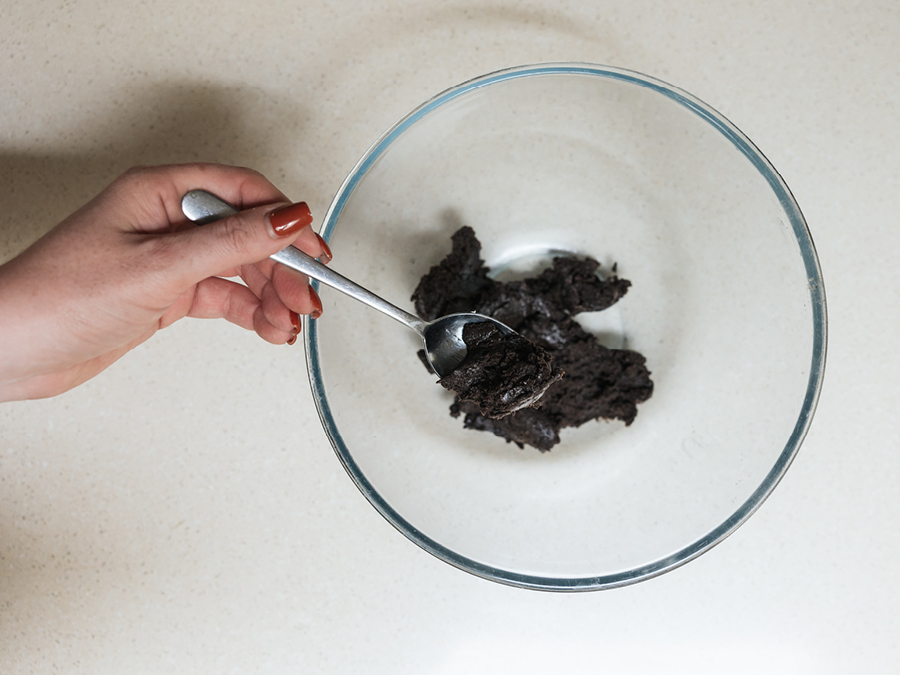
point(727, 305)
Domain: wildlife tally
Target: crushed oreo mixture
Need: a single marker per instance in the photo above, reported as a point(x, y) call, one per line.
point(501, 373)
point(598, 383)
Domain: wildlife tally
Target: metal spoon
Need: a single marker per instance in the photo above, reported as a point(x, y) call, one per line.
point(444, 345)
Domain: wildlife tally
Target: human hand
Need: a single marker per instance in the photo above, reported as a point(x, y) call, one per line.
point(129, 263)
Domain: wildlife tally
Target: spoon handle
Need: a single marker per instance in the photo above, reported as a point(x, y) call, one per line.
point(203, 207)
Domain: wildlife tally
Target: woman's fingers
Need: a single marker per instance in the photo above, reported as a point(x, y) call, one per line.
point(294, 291)
point(283, 290)
point(313, 245)
point(275, 310)
point(283, 297)
point(307, 241)
point(217, 298)
point(263, 311)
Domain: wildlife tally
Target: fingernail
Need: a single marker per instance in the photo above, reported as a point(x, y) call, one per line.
point(317, 303)
point(295, 319)
point(290, 219)
point(326, 256)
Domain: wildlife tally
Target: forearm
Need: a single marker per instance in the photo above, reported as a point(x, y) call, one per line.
point(23, 369)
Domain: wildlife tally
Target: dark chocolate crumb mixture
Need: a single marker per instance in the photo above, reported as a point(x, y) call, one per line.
point(598, 382)
point(501, 373)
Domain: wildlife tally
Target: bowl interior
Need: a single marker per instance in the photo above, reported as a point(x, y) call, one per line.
point(726, 304)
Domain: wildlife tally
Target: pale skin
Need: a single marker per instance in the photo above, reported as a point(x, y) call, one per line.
point(128, 264)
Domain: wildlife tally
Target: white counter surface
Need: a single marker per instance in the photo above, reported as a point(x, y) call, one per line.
point(184, 511)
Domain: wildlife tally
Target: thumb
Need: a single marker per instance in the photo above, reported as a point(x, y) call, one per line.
point(243, 238)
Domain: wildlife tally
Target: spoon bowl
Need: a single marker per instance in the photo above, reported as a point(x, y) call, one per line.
point(445, 348)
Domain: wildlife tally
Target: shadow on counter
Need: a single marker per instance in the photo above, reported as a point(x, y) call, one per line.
point(160, 124)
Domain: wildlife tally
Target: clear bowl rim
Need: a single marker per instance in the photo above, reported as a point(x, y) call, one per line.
point(817, 366)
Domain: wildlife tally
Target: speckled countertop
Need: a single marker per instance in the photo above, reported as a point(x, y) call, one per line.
point(143, 530)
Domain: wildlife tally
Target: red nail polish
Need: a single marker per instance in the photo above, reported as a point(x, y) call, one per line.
point(317, 304)
point(326, 256)
point(295, 320)
point(290, 219)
